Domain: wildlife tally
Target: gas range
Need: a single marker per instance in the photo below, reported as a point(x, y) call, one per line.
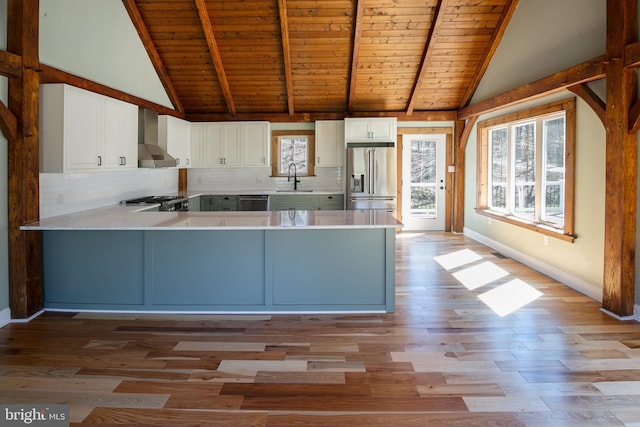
point(167, 203)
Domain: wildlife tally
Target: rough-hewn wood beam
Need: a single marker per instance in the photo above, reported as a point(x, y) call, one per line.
point(8, 124)
point(426, 54)
point(25, 248)
point(310, 117)
point(355, 57)
point(590, 97)
point(632, 55)
point(205, 21)
point(461, 136)
point(618, 294)
point(634, 117)
point(286, 53)
point(154, 56)
point(501, 27)
point(581, 73)
point(53, 75)
point(10, 64)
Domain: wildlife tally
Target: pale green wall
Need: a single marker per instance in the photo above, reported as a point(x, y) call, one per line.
point(582, 259)
point(95, 39)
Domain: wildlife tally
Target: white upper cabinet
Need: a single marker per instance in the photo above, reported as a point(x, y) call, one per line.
point(230, 144)
point(82, 131)
point(373, 129)
point(254, 143)
point(329, 143)
point(175, 135)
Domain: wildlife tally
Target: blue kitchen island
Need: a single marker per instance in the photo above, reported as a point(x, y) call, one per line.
point(123, 259)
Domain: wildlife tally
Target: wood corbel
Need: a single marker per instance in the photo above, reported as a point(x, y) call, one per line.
point(592, 99)
point(8, 123)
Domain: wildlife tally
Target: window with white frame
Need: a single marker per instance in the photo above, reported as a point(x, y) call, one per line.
point(526, 168)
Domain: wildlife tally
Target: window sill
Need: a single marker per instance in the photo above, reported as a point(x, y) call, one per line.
point(529, 225)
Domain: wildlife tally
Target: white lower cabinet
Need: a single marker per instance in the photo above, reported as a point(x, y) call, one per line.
point(81, 131)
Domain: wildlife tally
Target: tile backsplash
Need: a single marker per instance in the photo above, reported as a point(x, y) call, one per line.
point(63, 193)
point(256, 179)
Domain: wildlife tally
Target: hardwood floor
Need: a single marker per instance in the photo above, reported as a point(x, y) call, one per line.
point(445, 358)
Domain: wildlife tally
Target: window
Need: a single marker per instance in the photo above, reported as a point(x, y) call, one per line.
point(292, 147)
point(525, 168)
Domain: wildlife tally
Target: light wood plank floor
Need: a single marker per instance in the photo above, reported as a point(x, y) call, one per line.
point(445, 358)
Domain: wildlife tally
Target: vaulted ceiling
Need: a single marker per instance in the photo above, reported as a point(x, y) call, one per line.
point(233, 58)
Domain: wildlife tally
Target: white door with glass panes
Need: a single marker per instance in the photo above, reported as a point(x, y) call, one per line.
point(423, 182)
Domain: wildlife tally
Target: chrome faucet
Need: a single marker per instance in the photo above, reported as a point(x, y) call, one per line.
point(295, 175)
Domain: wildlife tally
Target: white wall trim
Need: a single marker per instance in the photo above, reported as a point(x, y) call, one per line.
point(573, 282)
point(5, 317)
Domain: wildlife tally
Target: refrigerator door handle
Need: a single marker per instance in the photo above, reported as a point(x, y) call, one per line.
point(372, 172)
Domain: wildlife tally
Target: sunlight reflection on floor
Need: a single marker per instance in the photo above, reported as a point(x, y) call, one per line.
point(503, 299)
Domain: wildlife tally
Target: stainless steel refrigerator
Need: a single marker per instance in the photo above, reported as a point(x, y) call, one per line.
point(371, 176)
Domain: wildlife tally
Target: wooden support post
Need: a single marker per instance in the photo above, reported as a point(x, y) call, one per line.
point(621, 162)
point(25, 248)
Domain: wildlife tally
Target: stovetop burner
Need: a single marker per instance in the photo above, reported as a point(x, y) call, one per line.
point(167, 203)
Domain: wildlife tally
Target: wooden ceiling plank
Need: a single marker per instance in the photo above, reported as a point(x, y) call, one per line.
point(433, 32)
point(501, 27)
point(357, 33)
point(588, 71)
point(154, 56)
point(205, 21)
point(286, 53)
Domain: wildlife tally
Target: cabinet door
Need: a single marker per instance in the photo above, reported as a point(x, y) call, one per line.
point(205, 143)
point(120, 135)
point(255, 144)
point(329, 143)
point(83, 124)
point(230, 144)
point(383, 129)
point(356, 129)
point(175, 135)
point(330, 202)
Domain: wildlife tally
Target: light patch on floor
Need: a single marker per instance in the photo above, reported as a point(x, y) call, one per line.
point(507, 298)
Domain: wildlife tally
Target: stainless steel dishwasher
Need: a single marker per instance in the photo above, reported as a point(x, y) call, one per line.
point(253, 203)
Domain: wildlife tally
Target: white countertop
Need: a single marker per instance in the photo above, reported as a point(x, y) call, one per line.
point(122, 217)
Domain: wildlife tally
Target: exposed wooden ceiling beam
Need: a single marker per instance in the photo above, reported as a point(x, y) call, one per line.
point(590, 97)
point(10, 64)
point(357, 33)
point(426, 55)
point(286, 53)
point(205, 21)
point(53, 75)
point(437, 116)
point(8, 123)
point(488, 54)
point(582, 73)
point(154, 56)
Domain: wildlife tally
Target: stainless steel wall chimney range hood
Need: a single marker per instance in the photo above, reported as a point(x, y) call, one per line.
point(150, 153)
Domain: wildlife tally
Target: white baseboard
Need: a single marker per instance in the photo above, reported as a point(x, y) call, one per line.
point(5, 317)
point(561, 276)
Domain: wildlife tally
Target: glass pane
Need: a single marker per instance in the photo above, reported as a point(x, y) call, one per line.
point(554, 170)
point(423, 177)
point(525, 170)
point(499, 168)
point(423, 200)
point(293, 150)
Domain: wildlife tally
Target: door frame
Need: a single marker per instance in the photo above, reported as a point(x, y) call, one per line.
point(448, 132)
